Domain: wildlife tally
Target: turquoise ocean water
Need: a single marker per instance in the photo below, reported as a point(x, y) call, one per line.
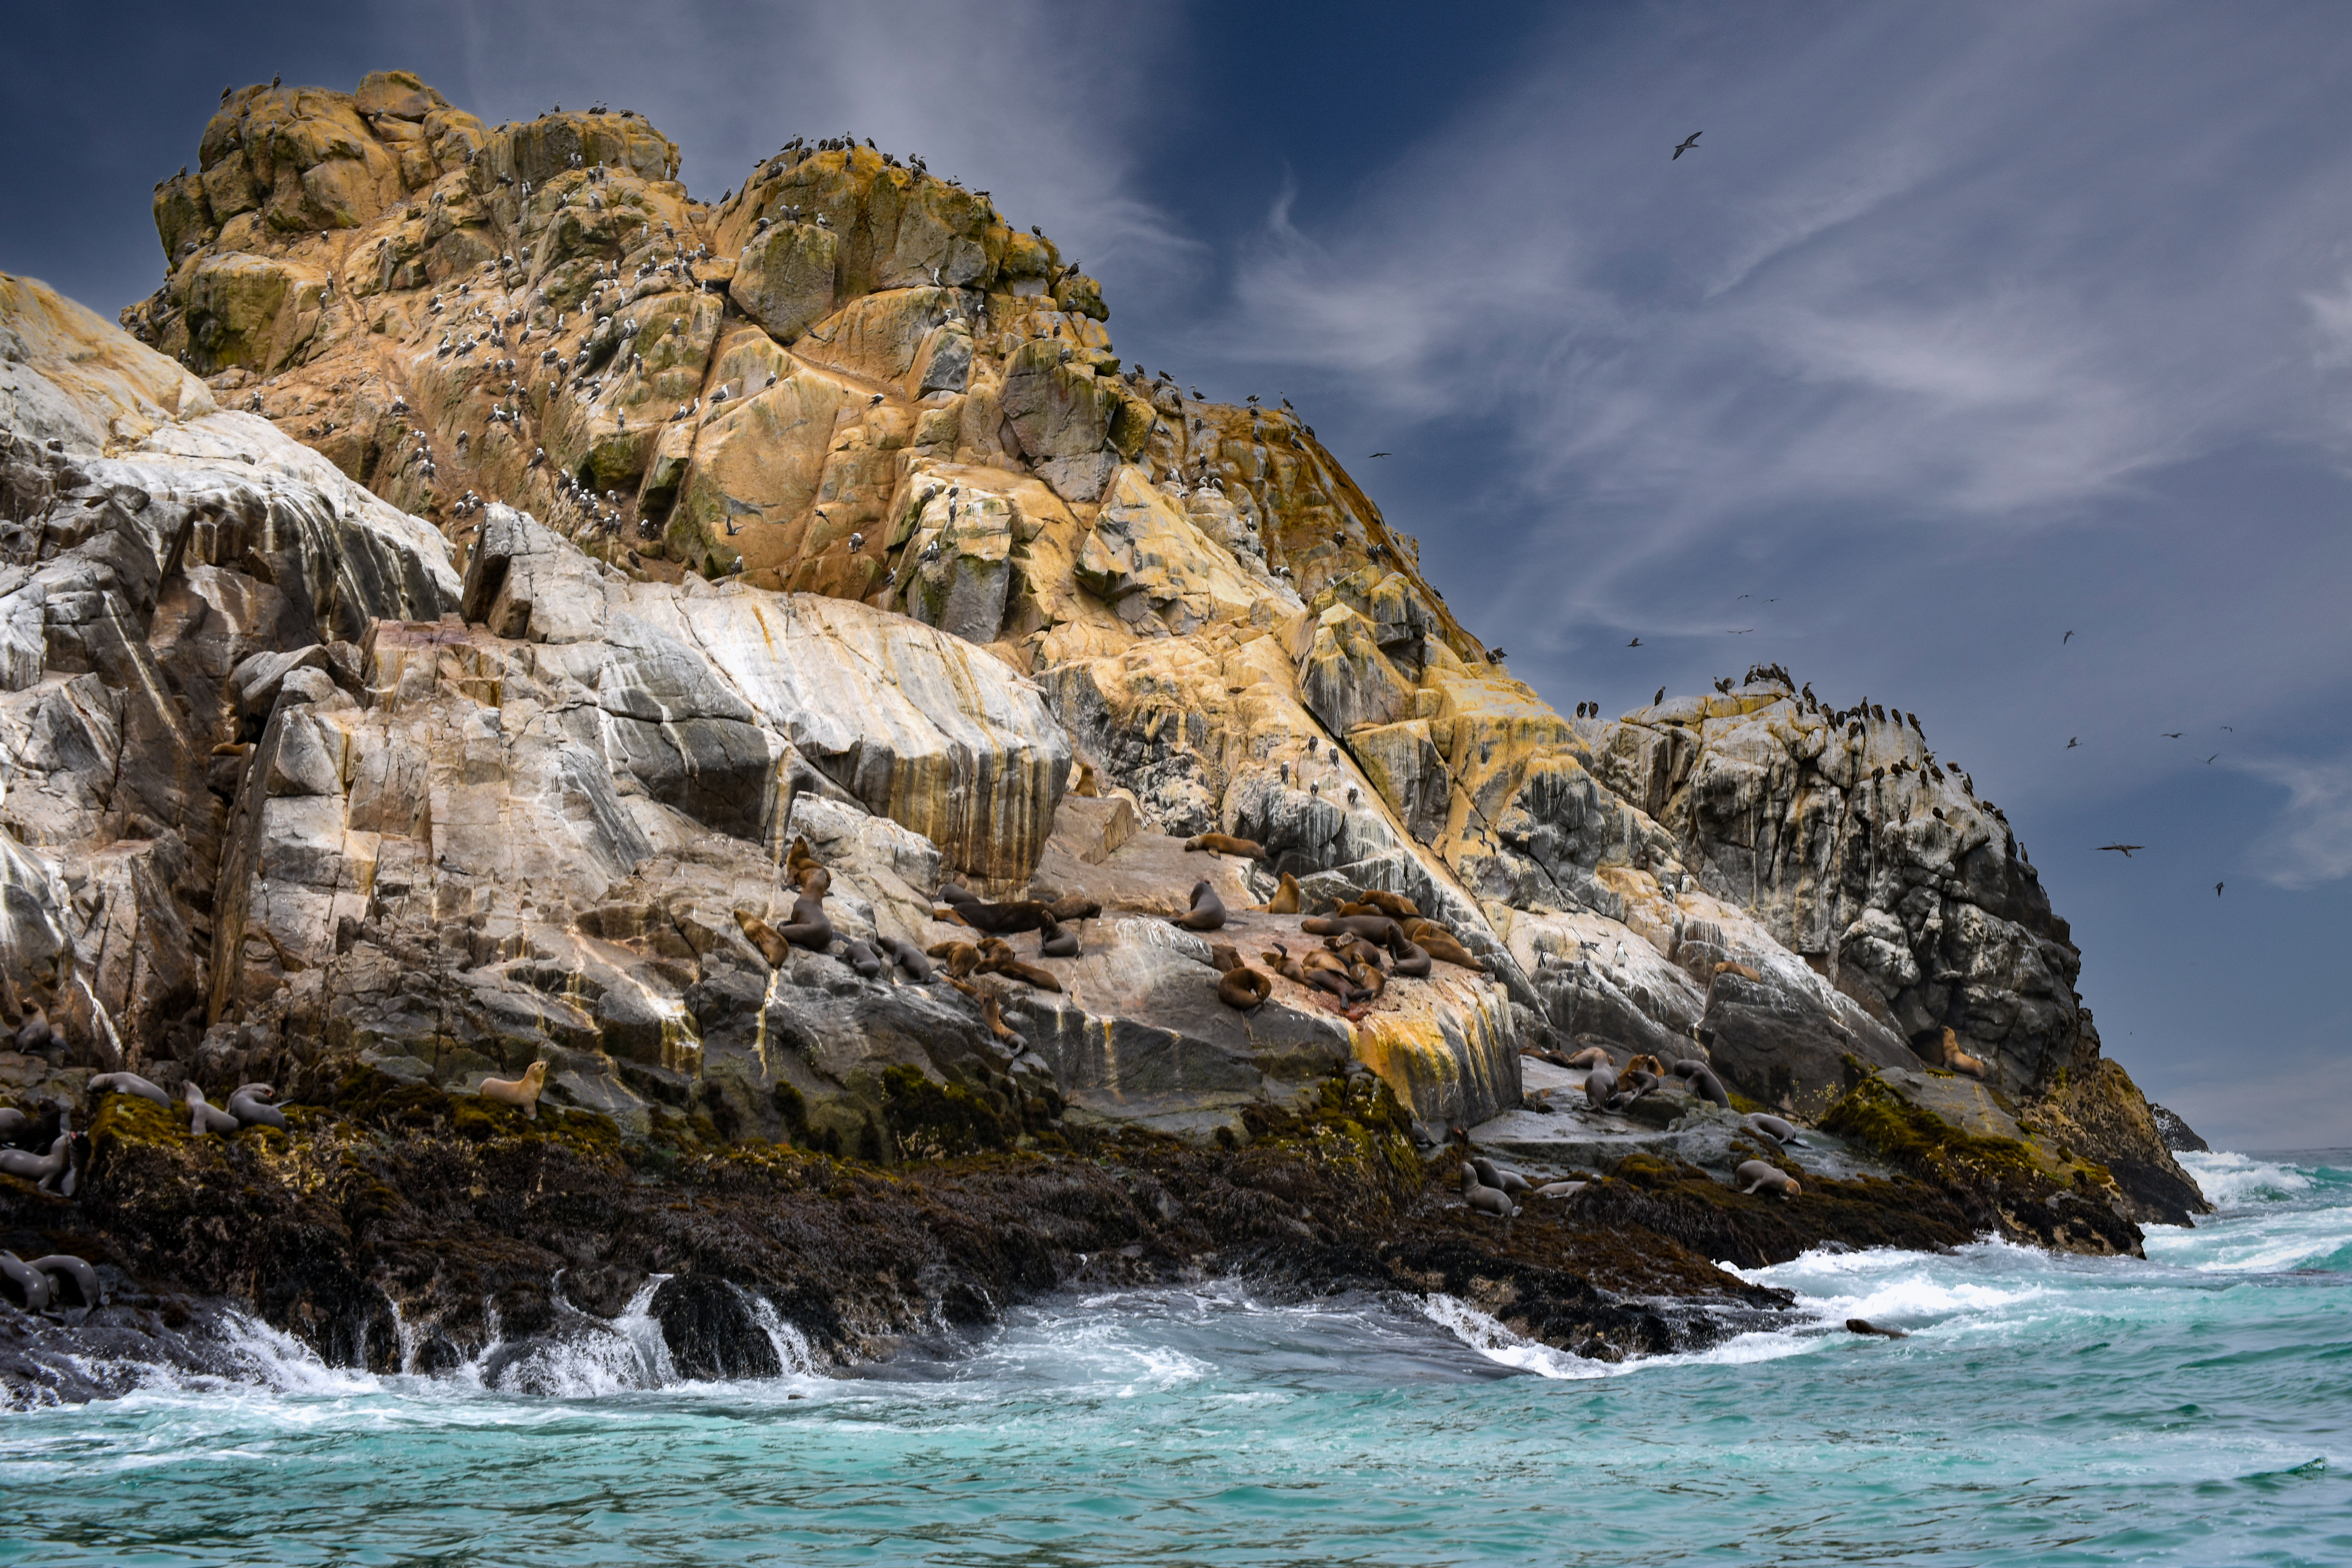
point(2195, 1409)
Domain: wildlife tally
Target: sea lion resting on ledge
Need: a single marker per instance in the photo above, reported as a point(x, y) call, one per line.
point(909, 957)
point(52, 1171)
point(129, 1083)
point(1371, 928)
point(203, 1116)
point(250, 1105)
point(1442, 943)
point(1379, 901)
point(519, 1092)
point(1483, 1199)
point(1005, 919)
point(1208, 911)
point(1226, 844)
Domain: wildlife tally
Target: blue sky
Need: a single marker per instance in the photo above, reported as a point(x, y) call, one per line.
point(1965, 326)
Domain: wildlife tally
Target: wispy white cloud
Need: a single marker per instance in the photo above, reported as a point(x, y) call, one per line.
point(2310, 842)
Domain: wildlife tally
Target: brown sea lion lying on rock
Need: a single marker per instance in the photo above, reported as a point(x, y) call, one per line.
point(1761, 1177)
point(1590, 1057)
point(909, 957)
point(523, 1093)
point(773, 947)
point(1371, 928)
point(1442, 943)
point(1024, 914)
point(1379, 901)
point(1226, 844)
point(997, 957)
point(1500, 1177)
point(1208, 911)
point(863, 959)
point(1243, 987)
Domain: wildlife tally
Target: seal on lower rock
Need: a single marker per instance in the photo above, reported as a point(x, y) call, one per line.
point(1483, 1199)
point(1502, 1178)
point(1208, 911)
point(1702, 1081)
point(1761, 1177)
point(203, 1116)
point(26, 1278)
point(1560, 1189)
point(1772, 1127)
point(523, 1093)
point(1226, 844)
point(65, 1265)
point(52, 1171)
point(1865, 1326)
point(250, 1105)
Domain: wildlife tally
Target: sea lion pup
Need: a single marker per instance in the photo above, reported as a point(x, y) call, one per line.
point(798, 861)
point(997, 957)
point(1371, 928)
point(1772, 1127)
point(1086, 784)
point(1243, 987)
point(1057, 941)
point(1396, 906)
point(203, 1117)
point(1371, 982)
point(250, 1105)
point(1226, 844)
point(1208, 911)
point(1286, 897)
point(763, 936)
point(1591, 1056)
point(960, 957)
point(1634, 1083)
point(1356, 949)
point(1282, 964)
point(1442, 943)
point(1600, 1085)
point(1645, 1062)
point(1500, 1177)
point(52, 1171)
point(1865, 1326)
point(809, 928)
point(26, 1278)
point(523, 1093)
point(992, 1013)
point(1764, 1178)
point(1702, 1082)
point(863, 959)
point(1559, 1189)
point(65, 1265)
point(909, 957)
point(1483, 1199)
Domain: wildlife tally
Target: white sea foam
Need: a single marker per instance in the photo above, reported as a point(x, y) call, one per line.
point(1496, 1343)
point(2232, 1181)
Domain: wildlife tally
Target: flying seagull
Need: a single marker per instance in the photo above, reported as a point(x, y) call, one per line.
point(2174, 734)
point(2122, 849)
point(2067, 638)
point(1380, 453)
point(2217, 890)
point(2209, 761)
point(1635, 643)
point(1688, 143)
point(2074, 741)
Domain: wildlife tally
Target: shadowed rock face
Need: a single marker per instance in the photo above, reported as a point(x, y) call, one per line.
point(437, 687)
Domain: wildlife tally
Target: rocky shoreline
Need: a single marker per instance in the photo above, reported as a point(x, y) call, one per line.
point(440, 629)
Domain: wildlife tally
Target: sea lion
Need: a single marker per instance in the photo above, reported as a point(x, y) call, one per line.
point(1958, 1060)
point(1560, 1189)
point(809, 928)
point(1057, 941)
point(203, 1116)
point(1411, 961)
point(1356, 949)
point(520, 1092)
point(817, 882)
point(1500, 1177)
point(65, 1265)
point(1286, 897)
point(997, 957)
point(1590, 1057)
point(1865, 1326)
point(1761, 1177)
point(763, 936)
point(1005, 919)
point(1774, 1129)
point(1394, 905)
point(1372, 928)
point(1642, 1061)
point(1483, 1199)
point(1279, 960)
point(1632, 1084)
point(1244, 987)
point(1442, 943)
point(1704, 1083)
point(1208, 911)
point(250, 1105)
point(1600, 1085)
point(1086, 786)
point(1371, 982)
point(798, 861)
point(1226, 844)
point(960, 957)
point(992, 1013)
point(52, 1171)
point(34, 1035)
point(13, 1121)
point(863, 959)
point(26, 1278)
point(1224, 957)
point(909, 957)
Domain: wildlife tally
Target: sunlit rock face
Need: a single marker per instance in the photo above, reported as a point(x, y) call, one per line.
point(429, 622)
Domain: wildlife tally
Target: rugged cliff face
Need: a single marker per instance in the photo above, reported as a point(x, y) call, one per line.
point(422, 644)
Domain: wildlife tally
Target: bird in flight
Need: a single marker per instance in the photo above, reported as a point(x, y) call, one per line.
point(1635, 643)
point(1689, 143)
point(2217, 890)
point(1740, 634)
point(2073, 742)
point(2226, 727)
point(1741, 596)
point(2209, 761)
point(2173, 734)
point(2122, 849)
point(2067, 638)
point(1380, 453)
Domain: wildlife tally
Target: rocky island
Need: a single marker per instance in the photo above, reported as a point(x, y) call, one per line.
point(904, 811)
